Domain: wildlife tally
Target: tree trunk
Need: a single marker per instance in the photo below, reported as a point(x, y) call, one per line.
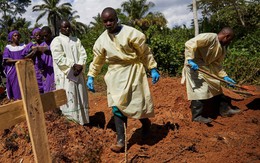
point(195, 17)
point(55, 26)
point(239, 14)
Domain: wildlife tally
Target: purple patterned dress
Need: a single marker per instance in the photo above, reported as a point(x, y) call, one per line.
point(12, 85)
point(47, 70)
point(38, 63)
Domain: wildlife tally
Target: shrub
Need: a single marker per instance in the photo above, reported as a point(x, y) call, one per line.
point(242, 61)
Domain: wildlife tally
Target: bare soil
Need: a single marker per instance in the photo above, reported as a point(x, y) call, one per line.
point(173, 138)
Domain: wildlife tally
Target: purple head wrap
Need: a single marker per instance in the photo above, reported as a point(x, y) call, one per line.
point(35, 31)
point(10, 35)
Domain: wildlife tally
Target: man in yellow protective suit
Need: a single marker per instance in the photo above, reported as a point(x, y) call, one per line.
point(125, 50)
point(207, 51)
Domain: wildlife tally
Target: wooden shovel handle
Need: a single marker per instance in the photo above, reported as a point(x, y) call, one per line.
point(243, 92)
point(215, 77)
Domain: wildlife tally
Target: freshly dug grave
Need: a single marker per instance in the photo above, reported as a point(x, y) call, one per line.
point(173, 138)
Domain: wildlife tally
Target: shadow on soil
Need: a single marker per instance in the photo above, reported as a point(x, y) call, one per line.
point(254, 105)
point(156, 134)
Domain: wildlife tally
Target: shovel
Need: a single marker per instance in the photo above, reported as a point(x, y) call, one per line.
point(248, 90)
point(214, 76)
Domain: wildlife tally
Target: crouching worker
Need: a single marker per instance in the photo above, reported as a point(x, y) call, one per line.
point(124, 49)
point(207, 51)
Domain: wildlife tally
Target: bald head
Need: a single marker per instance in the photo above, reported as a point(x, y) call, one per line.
point(227, 31)
point(226, 35)
point(110, 11)
point(65, 27)
point(109, 18)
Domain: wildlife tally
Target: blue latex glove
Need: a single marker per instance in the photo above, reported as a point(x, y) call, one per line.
point(193, 65)
point(228, 79)
point(155, 75)
point(90, 84)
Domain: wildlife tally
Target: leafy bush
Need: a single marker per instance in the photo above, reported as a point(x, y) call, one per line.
point(168, 49)
point(242, 61)
point(168, 54)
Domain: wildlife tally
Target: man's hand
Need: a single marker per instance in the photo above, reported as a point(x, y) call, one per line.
point(228, 79)
point(90, 84)
point(155, 75)
point(77, 69)
point(193, 65)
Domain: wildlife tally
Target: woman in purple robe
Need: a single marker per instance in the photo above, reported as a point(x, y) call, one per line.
point(12, 53)
point(32, 51)
point(47, 71)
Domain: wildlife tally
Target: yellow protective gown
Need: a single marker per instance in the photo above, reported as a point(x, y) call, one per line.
point(127, 56)
point(66, 51)
point(205, 50)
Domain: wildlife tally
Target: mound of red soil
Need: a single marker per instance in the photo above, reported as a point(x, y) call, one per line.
point(173, 137)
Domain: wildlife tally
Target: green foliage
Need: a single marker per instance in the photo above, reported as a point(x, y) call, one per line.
point(168, 49)
point(242, 61)
point(167, 54)
point(88, 41)
point(77, 28)
point(241, 15)
point(2, 46)
point(11, 7)
point(136, 9)
point(19, 24)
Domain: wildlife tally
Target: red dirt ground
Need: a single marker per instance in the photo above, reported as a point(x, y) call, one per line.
point(174, 138)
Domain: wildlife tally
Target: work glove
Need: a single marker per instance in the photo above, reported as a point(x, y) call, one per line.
point(77, 69)
point(155, 75)
point(193, 65)
point(90, 84)
point(228, 79)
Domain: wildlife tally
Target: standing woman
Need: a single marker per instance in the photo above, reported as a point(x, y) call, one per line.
point(47, 69)
point(33, 51)
point(13, 52)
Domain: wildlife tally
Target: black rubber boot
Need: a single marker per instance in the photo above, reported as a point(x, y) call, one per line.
point(146, 125)
point(120, 144)
point(196, 111)
point(225, 109)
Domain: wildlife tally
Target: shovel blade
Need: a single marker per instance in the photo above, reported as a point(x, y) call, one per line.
point(231, 94)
